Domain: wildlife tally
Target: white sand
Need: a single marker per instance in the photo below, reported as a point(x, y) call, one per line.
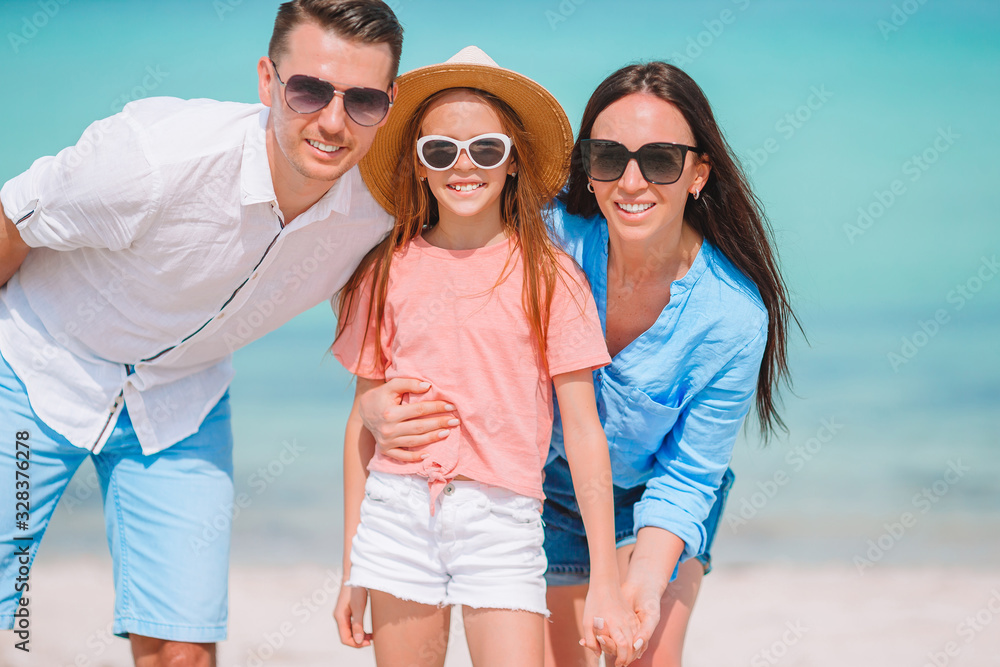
point(794, 616)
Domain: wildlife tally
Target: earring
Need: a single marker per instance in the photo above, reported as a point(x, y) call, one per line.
point(422, 179)
point(514, 175)
point(696, 193)
point(590, 186)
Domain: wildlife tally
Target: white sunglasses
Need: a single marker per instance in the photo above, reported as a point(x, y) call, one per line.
point(439, 153)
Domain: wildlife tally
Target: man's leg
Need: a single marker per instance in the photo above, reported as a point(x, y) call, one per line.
point(168, 518)
point(36, 464)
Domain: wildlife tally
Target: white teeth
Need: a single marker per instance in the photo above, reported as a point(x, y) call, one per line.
point(466, 187)
point(634, 208)
point(326, 148)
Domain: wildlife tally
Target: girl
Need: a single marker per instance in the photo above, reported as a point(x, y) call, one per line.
point(468, 292)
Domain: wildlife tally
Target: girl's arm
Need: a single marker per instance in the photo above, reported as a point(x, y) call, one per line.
point(587, 454)
point(359, 447)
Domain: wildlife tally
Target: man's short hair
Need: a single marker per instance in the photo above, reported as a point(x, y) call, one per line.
point(364, 21)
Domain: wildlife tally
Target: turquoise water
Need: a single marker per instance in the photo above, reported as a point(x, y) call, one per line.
point(887, 107)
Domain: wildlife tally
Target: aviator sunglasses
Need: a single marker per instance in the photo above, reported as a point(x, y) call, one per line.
point(307, 94)
point(659, 163)
point(486, 151)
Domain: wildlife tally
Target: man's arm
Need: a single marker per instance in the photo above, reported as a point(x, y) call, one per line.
point(397, 426)
point(13, 249)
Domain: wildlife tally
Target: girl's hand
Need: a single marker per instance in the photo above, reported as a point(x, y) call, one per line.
point(397, 427)
point(609, 624)
point(350, 614)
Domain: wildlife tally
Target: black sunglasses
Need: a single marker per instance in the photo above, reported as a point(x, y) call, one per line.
point(307, 94)
point(659, 163)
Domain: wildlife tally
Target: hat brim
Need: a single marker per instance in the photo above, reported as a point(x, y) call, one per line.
point(545, 122)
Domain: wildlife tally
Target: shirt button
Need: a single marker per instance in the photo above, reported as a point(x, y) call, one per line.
point(449, 489)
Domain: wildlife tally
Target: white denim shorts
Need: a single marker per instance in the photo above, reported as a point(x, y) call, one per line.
point(481, 548)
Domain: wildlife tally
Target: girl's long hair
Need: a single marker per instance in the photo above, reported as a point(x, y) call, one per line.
point(521, 203)
point(727, 213)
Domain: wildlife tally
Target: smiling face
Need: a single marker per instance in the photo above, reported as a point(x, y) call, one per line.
point(635, 208)
point(313, 150)
point(465, 190)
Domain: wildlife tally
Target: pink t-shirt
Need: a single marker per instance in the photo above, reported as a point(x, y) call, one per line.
point(446, 323)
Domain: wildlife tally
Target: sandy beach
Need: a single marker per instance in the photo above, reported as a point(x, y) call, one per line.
point(809, 616)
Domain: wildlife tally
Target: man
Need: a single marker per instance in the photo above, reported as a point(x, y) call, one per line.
point(135, 262)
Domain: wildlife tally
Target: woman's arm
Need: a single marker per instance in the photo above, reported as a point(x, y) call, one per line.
point(587, 454)
point(359, 447)
point(689, 465)
point(650, 567)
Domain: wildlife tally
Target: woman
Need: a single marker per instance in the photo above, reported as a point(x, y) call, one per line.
point(675, 246)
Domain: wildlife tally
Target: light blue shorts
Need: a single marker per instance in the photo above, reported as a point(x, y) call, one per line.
point(168, 517)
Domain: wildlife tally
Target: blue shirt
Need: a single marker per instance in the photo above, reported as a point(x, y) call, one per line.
point(672, 402)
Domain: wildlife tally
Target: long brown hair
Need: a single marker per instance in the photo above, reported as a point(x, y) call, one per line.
point(521, 203)
point(727, 213)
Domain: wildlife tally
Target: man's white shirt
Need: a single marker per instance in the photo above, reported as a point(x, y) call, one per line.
point(157, 250)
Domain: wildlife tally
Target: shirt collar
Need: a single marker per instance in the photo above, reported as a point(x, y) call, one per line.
point(255, 173)
point(256, 186)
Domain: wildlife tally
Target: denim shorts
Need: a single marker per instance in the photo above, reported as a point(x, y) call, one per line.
point(481, 548)
point(566, 539)
point(167, 517)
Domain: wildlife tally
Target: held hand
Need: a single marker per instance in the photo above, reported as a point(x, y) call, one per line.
point(609, 625)
point(349, 614)
point(644, 600)
point(397, 427)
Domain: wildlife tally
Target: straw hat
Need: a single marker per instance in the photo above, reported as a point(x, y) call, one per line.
point(544, 119)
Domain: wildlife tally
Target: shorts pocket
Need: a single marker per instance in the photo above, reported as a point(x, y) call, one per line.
point(379, 490)
point(521, 510)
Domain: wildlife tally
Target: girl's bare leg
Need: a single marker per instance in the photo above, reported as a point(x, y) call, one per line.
point(564, 629)
point(406, 633)
point(503, 637)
